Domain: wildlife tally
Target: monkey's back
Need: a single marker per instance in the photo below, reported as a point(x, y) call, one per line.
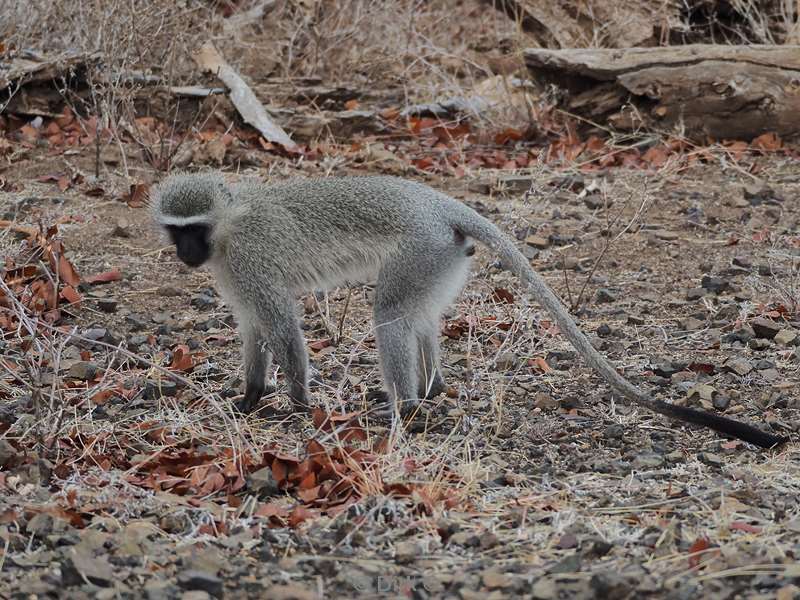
point(324, 232)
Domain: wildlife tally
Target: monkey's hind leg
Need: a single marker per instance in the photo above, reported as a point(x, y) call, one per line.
point(431, 383)
point(409, 298)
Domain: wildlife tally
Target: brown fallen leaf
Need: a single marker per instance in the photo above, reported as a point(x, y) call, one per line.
point(106, 277)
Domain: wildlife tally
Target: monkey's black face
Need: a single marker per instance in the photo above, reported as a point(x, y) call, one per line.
point(191, 243)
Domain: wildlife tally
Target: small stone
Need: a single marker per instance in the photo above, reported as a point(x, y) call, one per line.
point(710, 458)
point(759, 344)
point(786, 337)
point(545, 589)
point(716, 285)
point(7, 453)
point(691, 324)
point(667, 236)
point(604, 331)
point(614, 432)
point(406, 552)
point(201, 580)
point(94, 333)
point(107, 305)
point(695, 293)
point(122, 228)
point(721, 402)
point(770, 374)
point(742, 335)
point(158, 589)
point(595, 548)
point(666, 368)
point(544, 401)
point(515, 183)
point(609, 584)
point(636, 320)
point(263, 482)
point(703, 391)
point(537, 241)
point(764, 328)
point(154, 389)
point(83, 370)
point(742, 261)
point(683, 377)
point(569, 564)
point(567, 542)
point(597, 201)
point(168, 291)
point(604, 295)
point(40, 524)
point(648, 461)
point(494, 580)
point(203, 302)
point(739, 366)
point(507, 361)
point(758, 192)
point(488, 540)
point(136, 321)
point(480, 186)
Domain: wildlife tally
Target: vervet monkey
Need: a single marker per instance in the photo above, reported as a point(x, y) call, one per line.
point(267, 243)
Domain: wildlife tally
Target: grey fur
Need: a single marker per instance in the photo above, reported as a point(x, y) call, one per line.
point(271, 242)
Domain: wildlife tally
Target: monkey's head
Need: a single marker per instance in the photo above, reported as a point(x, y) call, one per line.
point(188, 206)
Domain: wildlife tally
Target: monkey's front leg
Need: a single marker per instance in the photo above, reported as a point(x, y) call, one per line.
point(257, 363)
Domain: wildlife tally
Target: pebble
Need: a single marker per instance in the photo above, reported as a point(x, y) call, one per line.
point(263, 482)
point(157, 389)
point(83, 370)
point(648, 461)
point(636, 320)
point(604, 295)
point(742, 335)
point(759, 344)
point(770, 374)
point(136, 321)
point(405, 552)
point(506, 361)
point(703, 391)
point(201, 580)
point(691, 324)
point(604, 330)
point(764, 328)
point(695, 293)
point(786, 337)
point(721, 402)
point(169, 291)
point(122, 228)
point(537, 241)
point(739, 366)
point(667, 236)
point(544, 401)
point(203, 301)
point(107, 305)
point(714, 284)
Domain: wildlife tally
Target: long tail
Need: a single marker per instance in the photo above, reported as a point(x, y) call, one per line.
point(471, 224)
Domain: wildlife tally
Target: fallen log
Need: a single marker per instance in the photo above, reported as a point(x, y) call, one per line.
point(721, 92)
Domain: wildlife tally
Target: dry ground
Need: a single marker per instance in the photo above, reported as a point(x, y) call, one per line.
point(528, 479)
point(546, 486)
